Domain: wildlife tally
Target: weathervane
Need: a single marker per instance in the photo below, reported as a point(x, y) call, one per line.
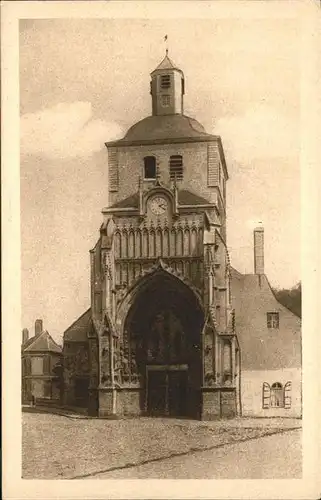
point(165, 40)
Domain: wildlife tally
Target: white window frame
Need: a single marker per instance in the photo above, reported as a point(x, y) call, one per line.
point(273, 320)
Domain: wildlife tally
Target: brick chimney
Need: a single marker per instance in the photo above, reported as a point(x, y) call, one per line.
point(38, 327)
point(259, 250)
point(25, 335)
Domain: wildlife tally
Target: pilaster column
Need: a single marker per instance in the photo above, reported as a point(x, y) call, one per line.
point(233, 360)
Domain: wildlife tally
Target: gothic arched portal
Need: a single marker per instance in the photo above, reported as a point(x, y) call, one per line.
point(162, 340)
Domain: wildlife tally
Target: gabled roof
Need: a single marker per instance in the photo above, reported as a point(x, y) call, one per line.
point(42, 343)
point(78, 331)
point(263, 348)
point(166, 64)
point(185, 197)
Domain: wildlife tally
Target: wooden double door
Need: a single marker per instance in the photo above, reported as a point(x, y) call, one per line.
point(167, 392)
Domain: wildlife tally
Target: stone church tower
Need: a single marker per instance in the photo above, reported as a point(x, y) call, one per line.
point(161, 326)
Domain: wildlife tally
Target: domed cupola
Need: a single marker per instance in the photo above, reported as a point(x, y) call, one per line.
point(167, 88)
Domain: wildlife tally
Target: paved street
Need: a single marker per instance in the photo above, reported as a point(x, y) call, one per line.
point(270, 457)
point(65, 447)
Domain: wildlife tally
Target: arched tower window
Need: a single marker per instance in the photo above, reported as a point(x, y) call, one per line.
point(150, 167)
point(176, 167)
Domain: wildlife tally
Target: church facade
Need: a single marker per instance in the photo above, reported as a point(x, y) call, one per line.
point(161, 336)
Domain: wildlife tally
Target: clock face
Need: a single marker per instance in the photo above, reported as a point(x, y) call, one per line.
point(158, 205)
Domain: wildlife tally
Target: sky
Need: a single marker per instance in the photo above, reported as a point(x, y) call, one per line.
point(86, 81)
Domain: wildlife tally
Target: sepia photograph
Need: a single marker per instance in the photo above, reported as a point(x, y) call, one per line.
point(160, 162)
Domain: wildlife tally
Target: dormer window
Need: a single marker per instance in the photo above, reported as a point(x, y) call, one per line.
point(176, 167)
point(149, 167)
point(165, 81)
point(166, 100)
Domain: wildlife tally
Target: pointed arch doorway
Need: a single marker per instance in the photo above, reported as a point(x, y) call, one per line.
point(162, 331)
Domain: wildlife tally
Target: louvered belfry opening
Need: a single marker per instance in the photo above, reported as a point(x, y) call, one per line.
point(176, 167)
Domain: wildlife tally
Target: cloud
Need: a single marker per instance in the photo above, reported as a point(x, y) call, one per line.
point(66, 130)
point(260, 133)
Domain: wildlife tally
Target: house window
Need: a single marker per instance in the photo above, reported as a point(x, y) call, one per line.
point(47, 389)
point(166, 100)
point(26, 366)
point(176, 167)
point(150, 167)
point(37, 365)
point(277, 396)
point(272, 319)
point(46, 364)
point(165, 81)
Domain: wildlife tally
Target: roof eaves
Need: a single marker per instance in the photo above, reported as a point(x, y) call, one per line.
point(220, 146)
point(177, 140)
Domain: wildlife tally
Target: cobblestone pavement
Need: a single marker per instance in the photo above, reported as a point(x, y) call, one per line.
point(58, 447)
point(235, 461)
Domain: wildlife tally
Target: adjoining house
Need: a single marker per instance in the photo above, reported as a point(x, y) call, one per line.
point(173, 329)
point(269, 335)
point(41, 367)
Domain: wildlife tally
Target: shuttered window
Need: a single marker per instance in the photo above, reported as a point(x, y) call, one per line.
point(277, 396)
point(113, 170)
point(266, 396)
point(213, 164)
point(176, 167)
point(287, 395)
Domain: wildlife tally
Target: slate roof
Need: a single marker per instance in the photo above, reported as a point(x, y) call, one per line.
point(185, 197)
point(166, 64)
point(78, 331)
point(41, 343)
point(164, 128)
point(129, 202)
point(263, 348)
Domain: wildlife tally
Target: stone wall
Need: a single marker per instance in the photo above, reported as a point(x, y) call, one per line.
point(218, 403)
point(130, 160)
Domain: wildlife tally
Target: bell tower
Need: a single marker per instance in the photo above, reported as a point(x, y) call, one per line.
point(167, 88)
